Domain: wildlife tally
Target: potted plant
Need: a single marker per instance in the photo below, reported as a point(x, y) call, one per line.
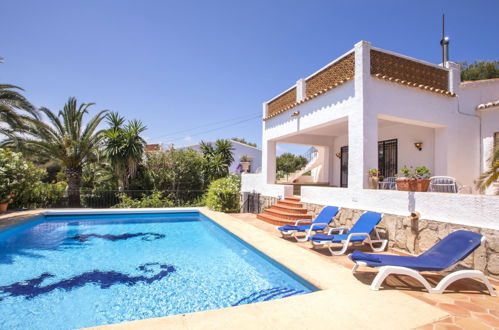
point(245, 163)
point(5, 201)
point(373, 177)
point(406, 180)
point(422, 175)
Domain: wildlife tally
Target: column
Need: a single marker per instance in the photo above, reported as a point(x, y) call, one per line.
point(362, 123)
point(268, 153)
point(269, 161)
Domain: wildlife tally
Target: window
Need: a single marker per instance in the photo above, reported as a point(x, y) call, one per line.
point(387, 158)
point(344, 167)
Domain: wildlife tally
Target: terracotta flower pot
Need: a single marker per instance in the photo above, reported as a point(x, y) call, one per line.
point(373, 182)
point(245, 166)
point(406, 184)
point(422, 184)
point(3, 207)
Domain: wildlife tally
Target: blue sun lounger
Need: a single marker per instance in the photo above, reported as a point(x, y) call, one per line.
point(320, 223)
point(443, 255)
point(359, 233)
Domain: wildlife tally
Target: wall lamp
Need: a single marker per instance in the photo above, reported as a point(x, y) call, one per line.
point(338, 155)
point(419, 145)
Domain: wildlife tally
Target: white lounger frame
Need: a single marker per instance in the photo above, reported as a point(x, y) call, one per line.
point(345, 243)
point(308, 233)
point(385, 271)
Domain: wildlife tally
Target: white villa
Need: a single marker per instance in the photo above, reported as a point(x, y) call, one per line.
point(375, 109)
point(254, 155)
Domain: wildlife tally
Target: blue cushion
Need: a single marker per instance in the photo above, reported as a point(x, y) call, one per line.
point(452, 249)
point(357, 255)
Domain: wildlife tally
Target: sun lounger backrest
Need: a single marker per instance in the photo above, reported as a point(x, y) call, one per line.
point(452, 249)
point(326, 215)
point(366, 223)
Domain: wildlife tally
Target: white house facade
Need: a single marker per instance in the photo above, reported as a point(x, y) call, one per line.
point(254, 155)
point(375, 109)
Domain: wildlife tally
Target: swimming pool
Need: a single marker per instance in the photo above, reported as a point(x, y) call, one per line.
point(80, 270)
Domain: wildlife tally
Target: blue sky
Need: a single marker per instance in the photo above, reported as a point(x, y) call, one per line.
point(193, 70)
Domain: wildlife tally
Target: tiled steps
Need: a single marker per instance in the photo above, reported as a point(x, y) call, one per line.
point(286, 211)
point(291, 203)
point(289, 209)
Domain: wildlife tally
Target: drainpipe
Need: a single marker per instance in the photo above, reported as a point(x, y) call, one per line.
point(454, 81)
point(479, 132)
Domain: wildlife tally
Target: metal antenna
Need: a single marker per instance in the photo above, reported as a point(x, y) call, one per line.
point(443, 36)
point(444, 43)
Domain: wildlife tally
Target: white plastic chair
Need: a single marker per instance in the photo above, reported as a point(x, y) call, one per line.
point(443, 184)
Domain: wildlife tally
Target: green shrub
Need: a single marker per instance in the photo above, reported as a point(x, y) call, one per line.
point(422, 172)
point(153, 200)
point(43, 195)
point(223, 194)
point(18, 177)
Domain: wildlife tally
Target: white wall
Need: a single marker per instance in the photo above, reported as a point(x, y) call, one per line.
point(490, 126)
point(407, 135)
point(457, 141)
point(240, 149)
point(253, 153)
point(255, 183)
point(327, 107)
point(471, 95)
point(407, 154)
point(472, 210)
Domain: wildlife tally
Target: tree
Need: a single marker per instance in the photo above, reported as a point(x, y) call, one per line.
point(206, 149)
point(11, 103)
point(124, 147)
point(480, 70)
point(217, 159)
point(65, 138)
point(224, 149)
point(288, 163)
point(223, 194)
point(490, 176)
point(17, 176)
point(244, 141)
point(179, 172)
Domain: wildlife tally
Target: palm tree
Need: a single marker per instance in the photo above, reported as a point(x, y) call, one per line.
point(490, 176)
point(11, 102)
point(65, 138)
point(206, 149)
point(217, 159)
point(124, 147)
point(217, 167)
point(224, 149)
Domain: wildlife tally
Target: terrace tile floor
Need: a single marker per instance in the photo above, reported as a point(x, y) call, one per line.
point(467, 301)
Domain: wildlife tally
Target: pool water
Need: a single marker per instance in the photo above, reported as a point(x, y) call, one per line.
point(73, 271)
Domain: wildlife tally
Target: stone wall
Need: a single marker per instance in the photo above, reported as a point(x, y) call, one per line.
point(257, 206)
point(417, 236)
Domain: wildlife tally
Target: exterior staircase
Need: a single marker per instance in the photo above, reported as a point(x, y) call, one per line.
point(286, 211)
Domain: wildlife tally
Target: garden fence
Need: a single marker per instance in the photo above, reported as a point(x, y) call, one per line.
point(109, 198)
